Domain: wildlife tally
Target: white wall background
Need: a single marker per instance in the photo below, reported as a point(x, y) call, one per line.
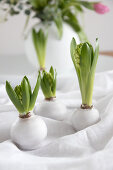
point(101, 26)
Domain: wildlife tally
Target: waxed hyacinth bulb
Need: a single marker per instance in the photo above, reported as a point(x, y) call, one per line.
point(50, 107)
point(85, 59)
point(29, 130)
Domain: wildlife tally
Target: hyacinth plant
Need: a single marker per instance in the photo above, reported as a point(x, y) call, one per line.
point(40, 41)
point(48, 84)
point(49, 11)
point(85, 59)
point(22, 96)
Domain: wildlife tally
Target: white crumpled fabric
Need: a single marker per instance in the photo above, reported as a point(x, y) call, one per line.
point(64, 148)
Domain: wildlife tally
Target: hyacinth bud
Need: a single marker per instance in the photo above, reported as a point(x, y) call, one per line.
point(50, 78)
point(48, 83)
point(100, 8)
point(18, 91)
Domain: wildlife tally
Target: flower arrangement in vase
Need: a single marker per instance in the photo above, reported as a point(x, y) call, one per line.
point(85, 59)
point(28, 130)
point(57, 11)
point(52, 14)
point(51, 107)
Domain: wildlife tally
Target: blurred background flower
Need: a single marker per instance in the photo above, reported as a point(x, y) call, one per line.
point(100, 8)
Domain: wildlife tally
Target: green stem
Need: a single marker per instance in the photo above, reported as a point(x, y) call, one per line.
point(41, 60)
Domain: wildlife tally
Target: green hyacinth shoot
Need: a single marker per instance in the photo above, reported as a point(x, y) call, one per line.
point(85, 60)
point(48, 83)
point(22, 96)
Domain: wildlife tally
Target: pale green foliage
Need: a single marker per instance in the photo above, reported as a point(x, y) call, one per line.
point(85, 59)
point(48, 83)
point(22, 96)
point(40, 41)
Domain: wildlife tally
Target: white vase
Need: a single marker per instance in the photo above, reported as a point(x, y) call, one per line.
point(29, 132)
point(53, 109)
point(58, 51)
point(83, 118)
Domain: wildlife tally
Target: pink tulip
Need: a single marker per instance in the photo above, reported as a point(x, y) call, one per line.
point(100, 8)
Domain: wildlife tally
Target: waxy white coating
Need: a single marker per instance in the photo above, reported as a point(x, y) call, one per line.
point(53, 109)
point(28, 133)
point(82, 118)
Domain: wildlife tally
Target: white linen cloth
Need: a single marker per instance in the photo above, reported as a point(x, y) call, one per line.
point(64, 149)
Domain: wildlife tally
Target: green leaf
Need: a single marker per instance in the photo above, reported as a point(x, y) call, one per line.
point(30, 92)
point(45, 90)
point(85, 60)
point(94, 63)
point(34, 95)
point(91, 77)
point(74, 55)
point(39, 4)
point(85, 65)
point(14, 98)
point(79, 8)
point(72, 51)
point(54, 85)
point(72, 20)
point(86, 4)
point(25, 95)
point(52, 71)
